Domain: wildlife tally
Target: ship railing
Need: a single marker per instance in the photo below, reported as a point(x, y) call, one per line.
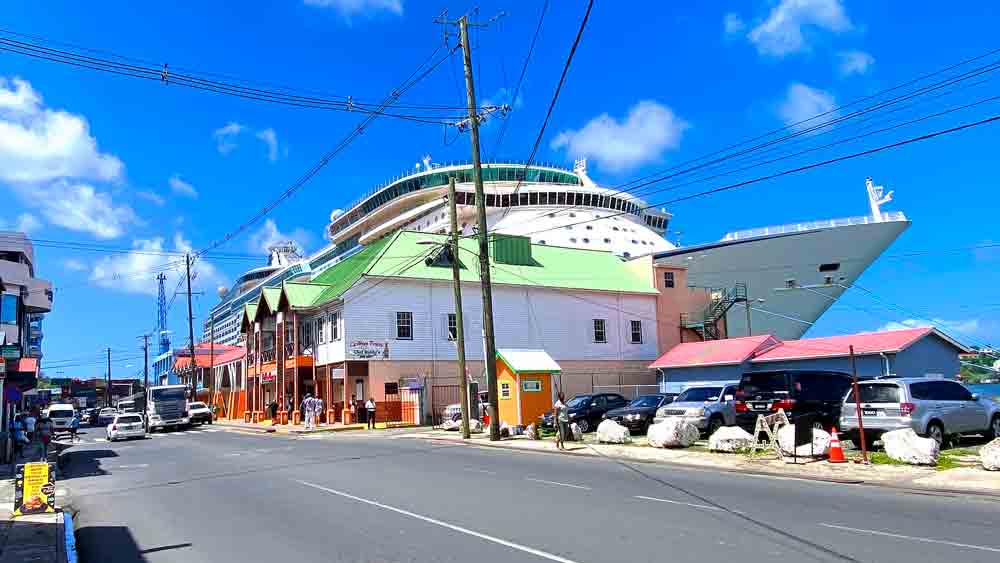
point(813, 225)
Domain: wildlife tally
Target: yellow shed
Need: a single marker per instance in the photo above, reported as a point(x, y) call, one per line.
point(525, 381)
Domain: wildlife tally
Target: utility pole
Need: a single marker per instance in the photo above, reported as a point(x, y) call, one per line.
point(211, 364)
point(857, 406)
point(107, 388)
point(145, 375)
point(463, 384)
point(484, 245)
point(187, 268)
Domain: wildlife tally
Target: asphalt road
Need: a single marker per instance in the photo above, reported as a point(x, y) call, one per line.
point(213, 495)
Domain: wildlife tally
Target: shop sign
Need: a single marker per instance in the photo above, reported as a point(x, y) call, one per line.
point(369, 349)
point(337, 373)
point(268, 377)
point(34, 489)
point(10, 352)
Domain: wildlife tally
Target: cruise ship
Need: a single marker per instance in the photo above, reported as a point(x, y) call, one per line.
point(792, 273)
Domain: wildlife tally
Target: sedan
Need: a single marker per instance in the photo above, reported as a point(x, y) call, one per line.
point(638, 414)
point(126, 426)
point(106, 416)
point(200, 413)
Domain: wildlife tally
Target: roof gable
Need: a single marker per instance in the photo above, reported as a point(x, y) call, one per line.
point(528, 361)
point(344, 274)
point(885, 342)
point(301, 295)
point(716, 352)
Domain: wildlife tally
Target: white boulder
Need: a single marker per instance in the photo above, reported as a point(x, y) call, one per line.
point(475, 426)
point(450, 424)
point(730, 439)
point(989, 455)
point(531, 431)
point(904, 445)
point(672, 432)
point(577, 433)
point(610, 432)
point(820, 442)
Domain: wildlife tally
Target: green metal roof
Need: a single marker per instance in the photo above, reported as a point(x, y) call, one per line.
point(301, 294)
point(342, 275)
point(271, 296)
point(249, 311)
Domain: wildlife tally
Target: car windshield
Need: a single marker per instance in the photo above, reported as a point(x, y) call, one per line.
point(60, 411)
point(646, 401)
point(169, 394)
point(764, 383)
point(129, 419)
point(876, 393)
point(578, 401)
point(699, 394)
point(196, 405)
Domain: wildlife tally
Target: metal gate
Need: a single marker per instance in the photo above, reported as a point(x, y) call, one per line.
point(441, 397)
point(400, 406)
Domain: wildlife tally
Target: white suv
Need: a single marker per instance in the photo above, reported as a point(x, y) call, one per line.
point(61, 417)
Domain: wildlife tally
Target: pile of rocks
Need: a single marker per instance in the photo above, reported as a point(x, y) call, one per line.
point(730, 439)
point(905, 446)
point(673, 432)
point(610, 432)
point(820, 446)
point(989, 455)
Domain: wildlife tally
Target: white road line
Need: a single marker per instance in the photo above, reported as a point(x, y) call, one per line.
point(453, 527)
point(558, 483)
point(912, 538)
point(691, 504)
point(100, 439)
point(475, 470)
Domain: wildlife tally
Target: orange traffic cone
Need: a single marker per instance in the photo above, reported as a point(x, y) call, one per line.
point(836, 452)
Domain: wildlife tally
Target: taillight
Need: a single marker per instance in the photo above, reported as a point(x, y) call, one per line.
point(741, 406)
point(906, 409)
point(787, 404)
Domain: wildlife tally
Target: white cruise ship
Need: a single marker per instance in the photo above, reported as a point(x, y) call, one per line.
point(798, 270)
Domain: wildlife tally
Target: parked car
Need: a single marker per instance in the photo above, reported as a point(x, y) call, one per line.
point(126, 426)
point(639, 413)
point(798, 392)
point(454, 410)
point(932, 407)
point(199, 413)
point(106, 416)
point(92, 417)
point(586, 410)
point(61, 417)
point(708, 407)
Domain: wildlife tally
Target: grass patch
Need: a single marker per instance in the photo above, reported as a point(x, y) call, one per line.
point(946, 461)
point(881, 458)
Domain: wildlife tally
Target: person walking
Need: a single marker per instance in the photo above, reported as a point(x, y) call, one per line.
point(20, 436)
point(29, 425)
point(273, 407)
point(318, 414)
point(308, 410)
point(74, 426)
point(370, 412)
point(354, 409)
point(561, 416)
point(45, 436)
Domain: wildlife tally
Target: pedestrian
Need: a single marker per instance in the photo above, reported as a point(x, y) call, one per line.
point(318, 410)
point(74, 426)
point(561, 417)
point(370, 408)
point(20, 435)
point(308, 410)
point(29, 426)
point(45, 435)
point(291, 405)
point(273, 407)
point(354, 409)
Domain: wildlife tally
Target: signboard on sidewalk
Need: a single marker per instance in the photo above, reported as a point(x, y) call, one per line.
point(34, 488)
point(368, 349)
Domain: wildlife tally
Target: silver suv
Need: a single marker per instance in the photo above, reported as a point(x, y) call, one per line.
point(708, 407)
point(935, 408)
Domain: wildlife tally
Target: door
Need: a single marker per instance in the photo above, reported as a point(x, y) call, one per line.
point(728, 402)
point(946, 406)
point(598, 406)
point(359, 390)
point(971, 413)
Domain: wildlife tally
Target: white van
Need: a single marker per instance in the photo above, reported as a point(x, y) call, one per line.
point(61, 417)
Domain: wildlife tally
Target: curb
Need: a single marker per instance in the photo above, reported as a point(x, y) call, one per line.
point(247, 429)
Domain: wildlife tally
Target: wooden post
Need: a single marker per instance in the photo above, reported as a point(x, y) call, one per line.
point(857, 406)
point(346, 415)
point(296, 414)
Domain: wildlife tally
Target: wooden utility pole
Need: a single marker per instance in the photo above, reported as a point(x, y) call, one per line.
point(107, 388)
point(463, 383)
point(187, 268)
point(211, 363)
point(484, 243)
point(857, 406)
point(145, 375)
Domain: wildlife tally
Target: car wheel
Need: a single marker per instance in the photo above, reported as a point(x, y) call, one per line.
point(935, 431)
point(714, 424)
point(994, 431)
point(584, 425)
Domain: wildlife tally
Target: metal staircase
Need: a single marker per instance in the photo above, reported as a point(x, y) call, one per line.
point(706, 322)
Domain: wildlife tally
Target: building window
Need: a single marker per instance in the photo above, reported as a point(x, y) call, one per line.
point(636, 332)
point(531, 385)
point(831, 267)
point(321, 326)
point(668, 279)
point(790, 283)
point(307, 334)
point(404, 325)
point(452, 326)
point(600, 334)
point(8, 309)
point(335, 327)
point(504, 390)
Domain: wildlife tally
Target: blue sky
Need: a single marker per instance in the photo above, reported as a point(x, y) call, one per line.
point(93, 157)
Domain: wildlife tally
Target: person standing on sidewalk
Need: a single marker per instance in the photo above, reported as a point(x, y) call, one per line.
point(561, 417)
point(370, 411)
point(29, 425)
point(45, 435)
point(273, 407)
point(20, 436)
point(309, 408)
point(74, 426)
point(318, 410)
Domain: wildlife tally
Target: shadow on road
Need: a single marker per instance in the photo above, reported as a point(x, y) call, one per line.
point(112, 544)
point(86, 463)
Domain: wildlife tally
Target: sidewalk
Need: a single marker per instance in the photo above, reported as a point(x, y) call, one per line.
point(266, 427)
point(958, 480)
point(41, 538)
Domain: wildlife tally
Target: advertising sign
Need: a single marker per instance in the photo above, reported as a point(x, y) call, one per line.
point(368, 349)
point(10, 352)
point(34, 489)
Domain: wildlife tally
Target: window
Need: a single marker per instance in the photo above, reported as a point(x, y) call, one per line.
point(531, 386)
point(504, 390)
point(335, 327)
point(392, 388)
point(832, 267)
point(452, 326)
point(321, 327)
point(590, 227)
point(607, 241)
point(404, 325)
point(600, 335)
point(636, 332)
point(8, 309)
point(668, 279)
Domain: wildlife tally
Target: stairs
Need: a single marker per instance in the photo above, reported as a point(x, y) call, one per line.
point(706, 322)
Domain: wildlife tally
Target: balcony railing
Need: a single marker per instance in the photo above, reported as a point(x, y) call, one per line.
point(813, 225)
point(267, 355)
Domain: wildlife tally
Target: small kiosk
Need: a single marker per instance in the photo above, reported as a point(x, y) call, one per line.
point(524, 378)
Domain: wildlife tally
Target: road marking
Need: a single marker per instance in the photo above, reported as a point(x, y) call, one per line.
point(691, 504)
point(475, 470)
point(100, 439)
point(902, 537)
point(453, 527)
point(135, 466)
point(558, 483)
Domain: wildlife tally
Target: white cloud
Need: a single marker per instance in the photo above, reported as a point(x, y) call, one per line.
point(854, 62)
point(503, 96)
point(79, 206)
point(781, 33)
point(647, 131)
point(803, 102)
point(74, 265)
point(733, 24)
point(180, 187)
point(225, 136)
point(38, 144)
point(369, 8)
point(962, 327)
point(271, 140)
point(151, 196)
point(269, 235)
point(25, 223)
point(136, 271)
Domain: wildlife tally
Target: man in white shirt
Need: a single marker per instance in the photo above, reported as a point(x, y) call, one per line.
point(29, 425)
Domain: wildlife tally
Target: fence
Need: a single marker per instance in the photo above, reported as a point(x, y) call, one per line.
point(440, 397)
point(627, 391)
point(399, 408)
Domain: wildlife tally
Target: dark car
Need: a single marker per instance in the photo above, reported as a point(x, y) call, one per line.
point(638, 414)
point(798, 392)
point(587, 410)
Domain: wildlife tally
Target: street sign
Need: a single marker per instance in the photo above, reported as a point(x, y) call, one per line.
point(34, 488)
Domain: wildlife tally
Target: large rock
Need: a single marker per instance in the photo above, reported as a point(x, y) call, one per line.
point(475, 426)
point(577, 433)
point(610, 432)
point(904, 445)
point(989, 455)
point(820, 442)
point(451, 424)
point(673, 432)
point(730, 439)
point(531, 431)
